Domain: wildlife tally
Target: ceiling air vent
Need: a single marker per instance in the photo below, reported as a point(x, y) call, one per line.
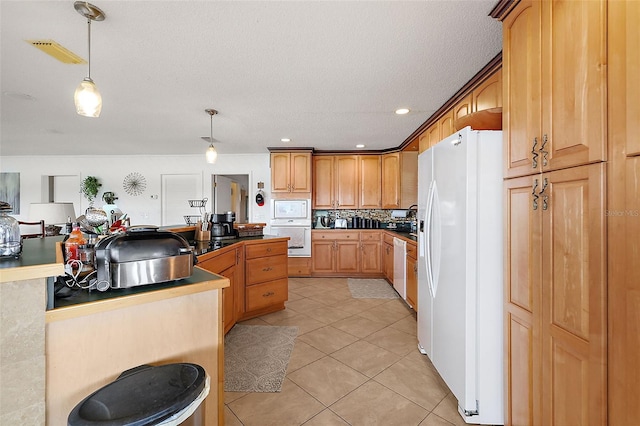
point(59, 52)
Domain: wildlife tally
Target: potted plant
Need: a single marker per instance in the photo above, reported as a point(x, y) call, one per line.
point(90, 187)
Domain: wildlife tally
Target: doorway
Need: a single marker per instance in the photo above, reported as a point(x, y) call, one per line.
point(230, 194)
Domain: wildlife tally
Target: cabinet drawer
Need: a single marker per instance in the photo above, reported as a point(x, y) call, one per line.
point(265, 249)
point(266, 269)
point(335, 235)
point(412, 251)
point(267, 294)
point(370, 235)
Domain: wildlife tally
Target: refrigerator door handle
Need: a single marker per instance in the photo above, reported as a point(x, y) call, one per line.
point(435, 237)
point(427, 241)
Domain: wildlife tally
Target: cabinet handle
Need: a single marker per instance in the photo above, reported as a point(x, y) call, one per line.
point(269, 293)
point(545, 197)
point(535, 196)
point(534, 153)
point(267, 269)
point(268, 249)
point(543, 150)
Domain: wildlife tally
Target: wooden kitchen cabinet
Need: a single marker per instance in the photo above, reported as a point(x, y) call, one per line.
point(446, 125)
point(370, 182)
point(335, 182)
point(412, 276)
point(347, 182)
point(554, 120)
point(399, 179)
point(462, 108)
point(323, 182)
point(623, 211)
point(488, 94)
point(266, 277)
point(346, 253)
point(387, 261)
point(371, 252)
point(228, 263)
point(554, 112)
point(555, 297)
point(391, 181)
point(290, 172)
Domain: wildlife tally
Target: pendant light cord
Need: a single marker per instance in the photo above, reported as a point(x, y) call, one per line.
point(211, 134)
point(89, 39)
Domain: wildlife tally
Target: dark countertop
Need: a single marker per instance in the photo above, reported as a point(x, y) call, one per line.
point(37, 260)
point(202, 247)
point(79, 296)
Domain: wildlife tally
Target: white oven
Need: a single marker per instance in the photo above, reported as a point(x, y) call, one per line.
point(292, 218)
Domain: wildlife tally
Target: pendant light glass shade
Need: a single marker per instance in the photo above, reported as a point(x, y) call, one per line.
point(87, 98)
point(211, 154)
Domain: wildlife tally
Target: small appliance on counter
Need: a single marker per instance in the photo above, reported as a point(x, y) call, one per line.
point(142, 255)
point(222, 226)
point(340, 223)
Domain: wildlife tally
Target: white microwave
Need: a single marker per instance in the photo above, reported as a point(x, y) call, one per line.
point(291, 209)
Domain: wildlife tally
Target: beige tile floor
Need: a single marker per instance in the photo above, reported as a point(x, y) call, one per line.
point(355, 362)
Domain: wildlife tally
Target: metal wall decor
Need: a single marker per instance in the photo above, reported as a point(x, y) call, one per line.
point(134, 184)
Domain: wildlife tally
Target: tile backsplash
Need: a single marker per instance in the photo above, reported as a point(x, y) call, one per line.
point(383, 216)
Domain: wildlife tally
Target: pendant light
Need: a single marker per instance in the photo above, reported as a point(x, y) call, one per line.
point(211, 153)
point(87, 97)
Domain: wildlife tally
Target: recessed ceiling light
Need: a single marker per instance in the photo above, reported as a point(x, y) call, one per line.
point(285, 140)
point(402, 111)
point(360, 145)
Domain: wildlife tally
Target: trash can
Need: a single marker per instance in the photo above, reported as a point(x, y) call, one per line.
point(165, 395)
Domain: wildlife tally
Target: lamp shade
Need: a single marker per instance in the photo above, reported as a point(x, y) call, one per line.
point(211, 154)
point(88, 99)
point(52, 213)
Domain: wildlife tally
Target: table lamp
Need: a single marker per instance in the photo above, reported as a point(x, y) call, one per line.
point(53, 214)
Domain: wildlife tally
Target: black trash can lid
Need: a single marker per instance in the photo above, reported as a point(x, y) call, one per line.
point(144, 395)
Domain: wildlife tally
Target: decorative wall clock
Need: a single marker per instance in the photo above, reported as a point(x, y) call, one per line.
point(134, 184)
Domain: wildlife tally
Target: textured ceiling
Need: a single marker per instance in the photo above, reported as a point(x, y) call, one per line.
point(325, 74)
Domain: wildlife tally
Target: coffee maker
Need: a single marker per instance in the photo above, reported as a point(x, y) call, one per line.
point(222, 226)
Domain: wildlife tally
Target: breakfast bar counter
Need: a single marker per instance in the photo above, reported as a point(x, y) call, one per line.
point(52, 359)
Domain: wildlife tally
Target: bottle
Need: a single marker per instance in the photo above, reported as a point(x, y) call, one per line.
point(71, 244)
point(69, 227)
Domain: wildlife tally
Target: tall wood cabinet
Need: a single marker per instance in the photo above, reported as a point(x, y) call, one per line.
point(554, 123)
point(623, 210)
point(290, 172)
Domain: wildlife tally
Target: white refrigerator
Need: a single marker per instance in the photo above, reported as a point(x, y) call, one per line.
point(460, 269)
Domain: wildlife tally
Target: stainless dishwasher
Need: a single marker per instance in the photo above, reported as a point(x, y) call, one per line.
point(400, 267)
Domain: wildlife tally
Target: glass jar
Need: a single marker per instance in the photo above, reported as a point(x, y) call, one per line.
point(10, 240)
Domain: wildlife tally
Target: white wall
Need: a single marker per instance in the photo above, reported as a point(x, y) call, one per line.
point(111, 171)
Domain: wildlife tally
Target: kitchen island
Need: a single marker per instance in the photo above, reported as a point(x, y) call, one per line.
point(90, 341)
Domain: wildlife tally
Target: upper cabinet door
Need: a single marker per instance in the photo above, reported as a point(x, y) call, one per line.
point(291, 172)
point(370, 182)
point(574, 63)
point(323, 182)
point(521, 87)
point(346, 182)
point(280, 170)
point(300, 171)
point(488, 95)
point(391, 181)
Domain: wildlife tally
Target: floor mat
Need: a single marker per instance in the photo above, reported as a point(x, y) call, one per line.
point(371, 289)
point(256, 357)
